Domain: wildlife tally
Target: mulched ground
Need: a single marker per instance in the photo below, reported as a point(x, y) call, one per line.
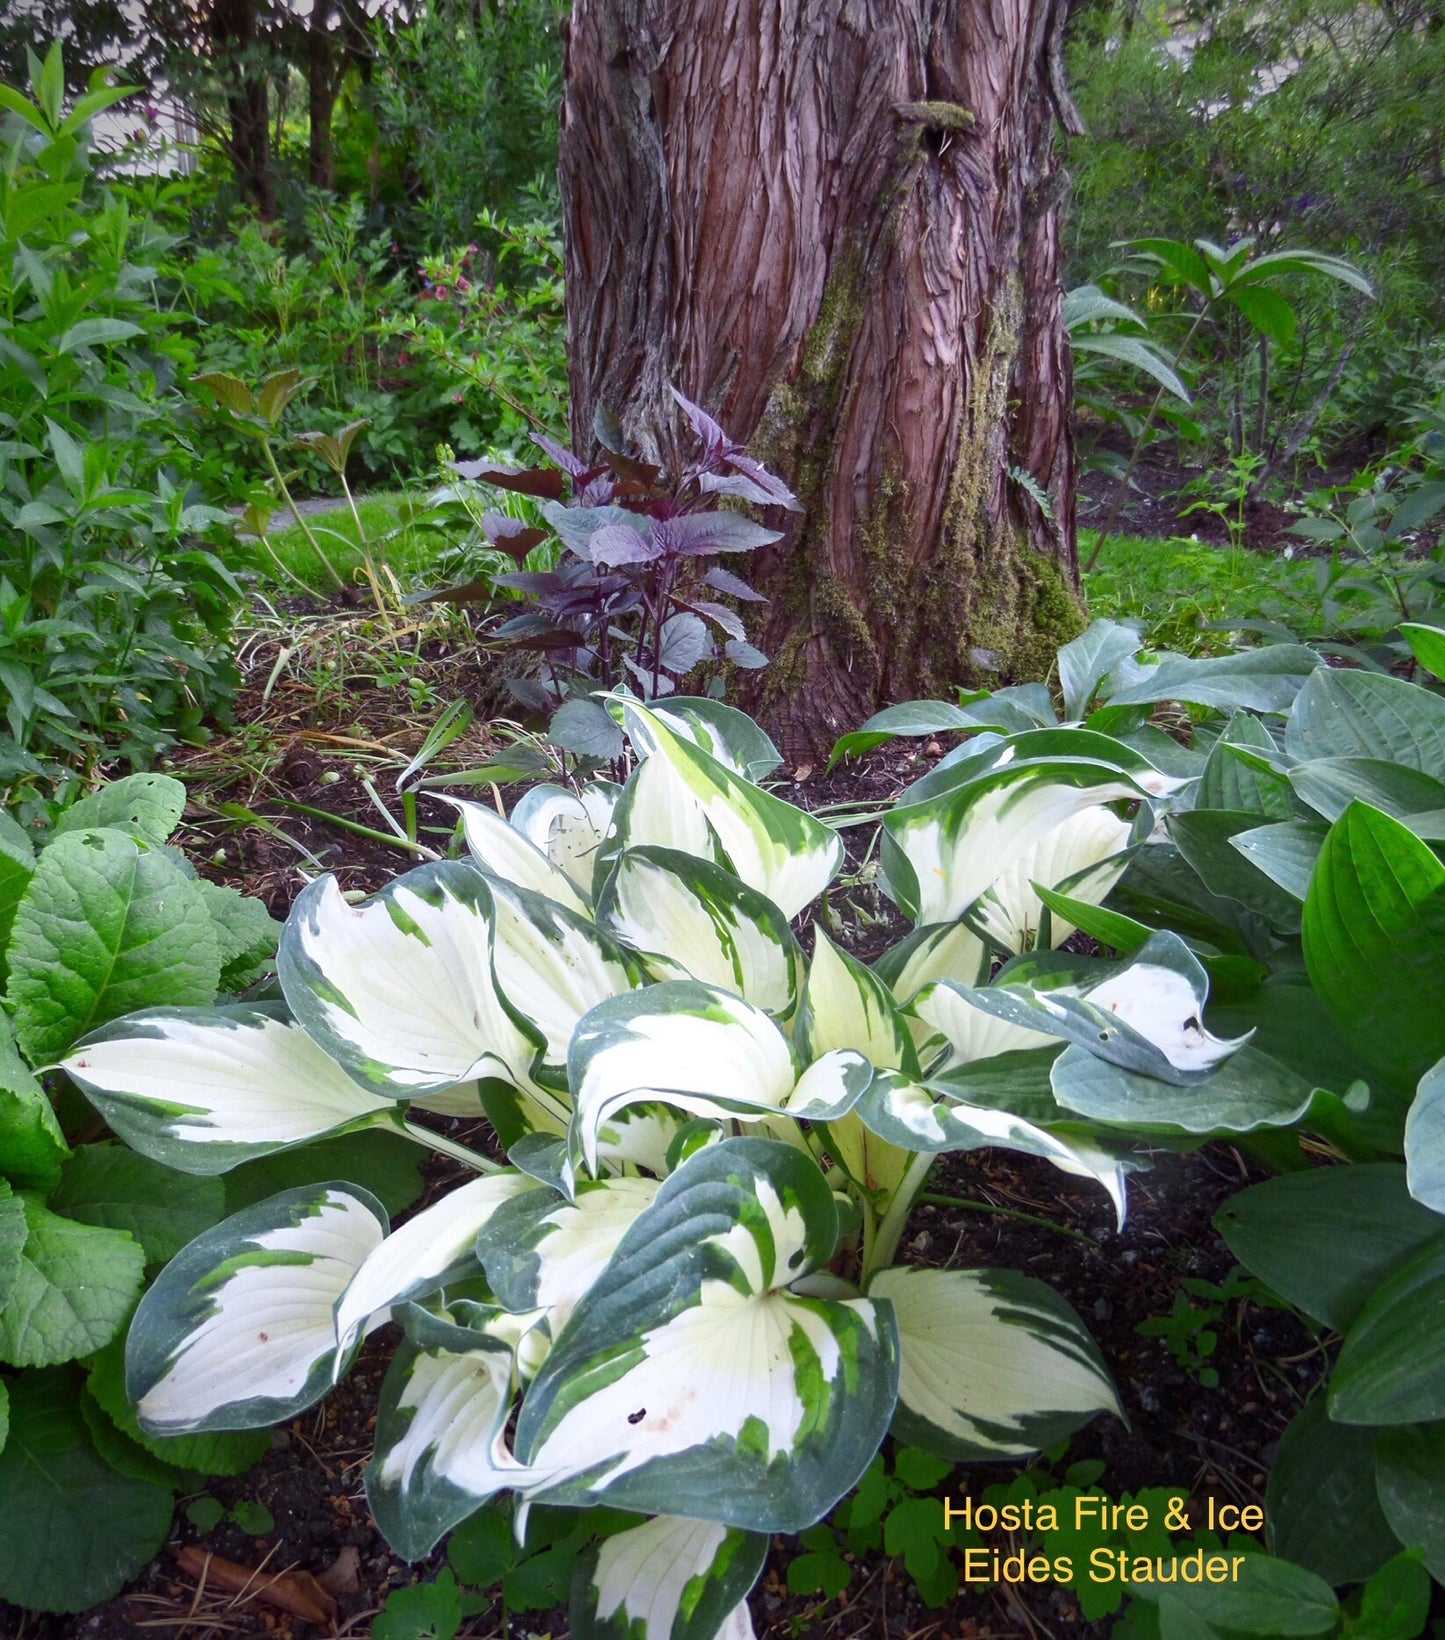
point(308, 742)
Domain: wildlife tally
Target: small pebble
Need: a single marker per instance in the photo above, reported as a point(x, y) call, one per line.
point(1148, 1400)
point(1103, 1309)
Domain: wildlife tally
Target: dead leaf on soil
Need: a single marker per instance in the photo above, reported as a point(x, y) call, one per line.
point(295, 1592)
point(343, 1575)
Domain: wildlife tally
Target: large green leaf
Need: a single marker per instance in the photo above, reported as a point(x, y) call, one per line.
point(32, 1145)
point(1251, 680)
point(74, 1287)
point(1330, 784)
point(378, 1159)
point(1391, 1368)
point(1248, 1091)
point(110, 1186)
point(1326, 1239)
point(1425, 1140)
point(1321, 1508)
point(1370, 715)
point(1409, 1464)
point(668, 1579)
point(1374, 941)
point(13, 1232)
point(1285, 852)
point(1238, 774)
point(147, 807)
point(72, 1530)
point(246, 934)
point(107, 924)
point(203, 1089)
point(690, 1380)
point(17, 866)
point(691, 918)
point(238, 1330)
point(1268, 1597)
point(1205, 839)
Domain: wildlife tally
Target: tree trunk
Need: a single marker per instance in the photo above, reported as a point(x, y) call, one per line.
point(235, 41)
point(837, 228)
point(323, 82)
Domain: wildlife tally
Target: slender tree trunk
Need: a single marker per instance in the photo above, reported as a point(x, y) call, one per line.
point(837, 228)
point(323, 82)
point(235, 35)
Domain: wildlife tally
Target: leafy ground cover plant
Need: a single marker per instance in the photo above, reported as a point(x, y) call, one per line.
point(684, 1312)
point(113, 617)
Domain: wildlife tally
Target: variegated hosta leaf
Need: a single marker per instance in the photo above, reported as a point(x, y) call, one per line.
point(925, 1116)
point(568, 827)
point(1084, 858)
point(721, 731)
point(702, 1050)
point(994, 1364)
point(204, 1089)
point(689, 1381)
point(1145, 1016)
point(440, 1431)
point(462, 1099)
point(950, 1030)
point(400, 989)
point(939, 855)
point(943, 951)
point(668, 1579)
point(502, 850)
point(690, 918)
point(542, 1252)
point(238, 1330)
point(552, 967)
point(641, 1136)
point(680, 798)
point(846, 1005)
point(437, 1246)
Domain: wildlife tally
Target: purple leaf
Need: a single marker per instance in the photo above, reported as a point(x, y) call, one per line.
point(712, 436)
point(744, 655)
point(685, 642)
point(699, 534)
point(577, 525)
point(643, 674)
point(468, 592)
point(735, 484)
point(564, 458)
point(723, 616)
point(539, 481)
point(778, 493)
point(510, 535)
point(621, 544)
point(723, 580)
point(540, 583)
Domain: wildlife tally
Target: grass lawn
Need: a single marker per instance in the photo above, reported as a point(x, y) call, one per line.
point(407, 550)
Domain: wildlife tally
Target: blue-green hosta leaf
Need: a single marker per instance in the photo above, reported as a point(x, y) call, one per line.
point(1330, 784)
point(1409, 1461)
point(429, 1250)
point(72, 1290)
point(1251, 680)
point(928, 1117)
point(1425, 1140)
point(1374, 941)
point(721, 731)
point(690, 918)
point(441, 1445)
point(1241, 773)
point(107, 924)
point(689, 1380)
point(1285, 852)
point(503, 850)
point(668, 1579)
point(1391, 1367)
point(204, 1089)
point(238, 1331)
point(940, 854)
point(992, 1364)
point(682, 798)
point(704, 1050)
point(568, 827)
point(1087, 660)
point(846, 1005)
point(1369, 715)
point(1248, 1091)
point(1084, 857)
point(941, 951)
point(1145, 1016)
point(551, 967)
point(542, 1252)
point(400, 990)
point(949, 1030)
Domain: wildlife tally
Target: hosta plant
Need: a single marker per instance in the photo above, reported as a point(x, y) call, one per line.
point(679, 1294)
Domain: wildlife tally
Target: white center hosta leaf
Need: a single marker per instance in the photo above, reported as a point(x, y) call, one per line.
point(1087, 851)
point(687, 1382)
point(543, 1252)
point(552, 966)
point(436, 1245)
point(568, 827)
point(921, 1117)
point(462, 1099)
point(691, 918)
point(942, 853)
point(994, 1364)
point(400, 988)
point(440, 1432)
point(702, 1050)
point(683, 799)
point(949, 1030)
point(946, 951)
point(847, 1006)
point(723, 732)
point(204, 1089)
point(668, 1579)
point(501, 850)
point(237, 1331)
